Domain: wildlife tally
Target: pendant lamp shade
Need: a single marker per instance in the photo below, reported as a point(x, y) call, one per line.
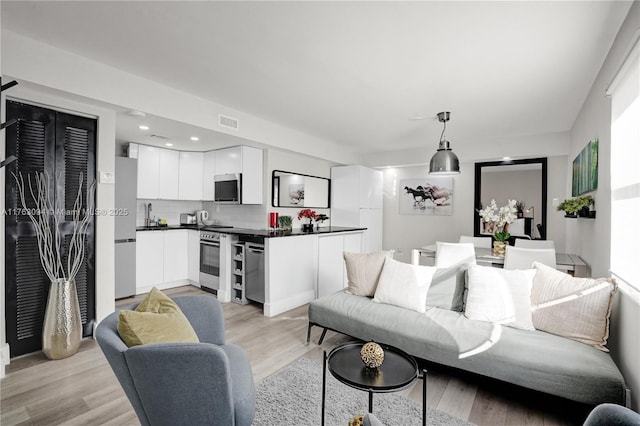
point(444, 161)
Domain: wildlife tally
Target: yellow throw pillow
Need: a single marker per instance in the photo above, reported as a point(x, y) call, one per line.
point(156, 320)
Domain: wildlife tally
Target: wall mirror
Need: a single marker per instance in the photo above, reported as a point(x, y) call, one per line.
point(523, 180)
point(291, 189)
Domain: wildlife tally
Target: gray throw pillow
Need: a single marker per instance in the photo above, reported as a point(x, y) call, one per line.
point(447, 288)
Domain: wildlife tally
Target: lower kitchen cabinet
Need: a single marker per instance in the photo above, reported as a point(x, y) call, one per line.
point(175, 263)
point(149, 258)
point(332, 274)
point(193, 253)
point(162, 259)
point(301, 268)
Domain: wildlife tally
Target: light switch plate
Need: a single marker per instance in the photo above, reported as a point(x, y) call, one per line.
point(107, 177)
point(555, 202)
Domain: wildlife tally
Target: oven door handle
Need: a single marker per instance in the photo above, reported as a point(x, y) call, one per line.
point(209, 243)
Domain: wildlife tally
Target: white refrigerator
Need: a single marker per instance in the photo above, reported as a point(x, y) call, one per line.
point(126, 184)
point(356, 200)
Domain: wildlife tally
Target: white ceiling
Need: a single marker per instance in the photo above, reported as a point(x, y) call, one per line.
point(352, 72)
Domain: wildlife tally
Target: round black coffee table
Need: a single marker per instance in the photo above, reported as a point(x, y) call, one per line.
point(398, 371)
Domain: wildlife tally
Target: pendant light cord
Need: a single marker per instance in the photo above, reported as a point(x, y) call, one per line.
point(443, 129)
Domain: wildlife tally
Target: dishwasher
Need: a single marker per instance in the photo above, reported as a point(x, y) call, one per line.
point(254, 272)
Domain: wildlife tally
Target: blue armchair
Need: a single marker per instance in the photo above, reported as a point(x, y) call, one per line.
point(184, 383)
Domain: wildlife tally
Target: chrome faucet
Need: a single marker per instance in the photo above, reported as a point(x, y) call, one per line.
point(147, 219)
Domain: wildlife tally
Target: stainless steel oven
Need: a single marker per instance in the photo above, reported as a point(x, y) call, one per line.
point(210, 261)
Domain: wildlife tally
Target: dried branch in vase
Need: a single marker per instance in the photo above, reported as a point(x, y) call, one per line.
point(46, 216)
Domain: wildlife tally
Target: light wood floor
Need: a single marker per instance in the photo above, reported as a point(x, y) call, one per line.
point(82, 390)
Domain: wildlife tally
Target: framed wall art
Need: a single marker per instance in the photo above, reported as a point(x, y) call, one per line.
point(426, 196)
point(585, 170)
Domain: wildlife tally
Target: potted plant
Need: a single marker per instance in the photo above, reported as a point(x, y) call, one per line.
point(498, 220)
point(307, 214)
point(285, 222)
point(573, 206)
point(520, 206)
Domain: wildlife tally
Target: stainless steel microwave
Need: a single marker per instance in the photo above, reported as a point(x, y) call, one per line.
point(228, 189)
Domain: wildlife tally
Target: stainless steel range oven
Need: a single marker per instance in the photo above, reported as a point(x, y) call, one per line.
point(210, 261)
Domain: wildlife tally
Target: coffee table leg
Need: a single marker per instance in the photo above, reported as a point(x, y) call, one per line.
point(370, 402)
point(324, 384)
point(424, 397)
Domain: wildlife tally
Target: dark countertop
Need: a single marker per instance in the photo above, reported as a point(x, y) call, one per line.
point(168, 227)
point(267, 233)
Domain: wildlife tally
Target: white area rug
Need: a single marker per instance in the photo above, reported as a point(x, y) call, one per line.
point(293, 396)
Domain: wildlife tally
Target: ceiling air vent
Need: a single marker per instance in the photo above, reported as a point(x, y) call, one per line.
point(228, 122)
point(166, 138)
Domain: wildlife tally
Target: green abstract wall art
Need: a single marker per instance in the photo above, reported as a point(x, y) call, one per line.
point(585, 170)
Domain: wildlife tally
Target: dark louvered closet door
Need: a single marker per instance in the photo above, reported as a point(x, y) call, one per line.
point(61, 145)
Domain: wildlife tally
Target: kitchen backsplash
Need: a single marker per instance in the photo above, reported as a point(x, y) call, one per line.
point(165, 209)
point(240, 216)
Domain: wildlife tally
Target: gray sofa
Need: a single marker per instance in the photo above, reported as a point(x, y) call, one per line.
point(532, 359)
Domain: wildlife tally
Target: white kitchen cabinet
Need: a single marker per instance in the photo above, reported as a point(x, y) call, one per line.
point(190, 175)
point(248, 161)
point(364, 210)
point(149, 258)
point(300, 268)
point(162, 259)
point(168, 174)
point(332, 274)
point(229, 160)
point(209, 172)
point(193, 253)
point(175, 264)
point(148, 171)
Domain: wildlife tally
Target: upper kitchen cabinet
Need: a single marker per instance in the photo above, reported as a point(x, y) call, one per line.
point(148, 171)
point(247, 161)
point(190, 181)
point(168, 176)
point(208, 175)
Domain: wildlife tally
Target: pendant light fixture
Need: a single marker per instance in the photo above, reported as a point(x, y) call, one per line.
point(444, 161)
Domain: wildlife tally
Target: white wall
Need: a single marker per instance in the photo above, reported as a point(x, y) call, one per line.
point(591, 238)
point(405, 232)
point(296, 163)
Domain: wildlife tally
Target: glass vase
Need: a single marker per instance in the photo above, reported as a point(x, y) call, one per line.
point(62, 328)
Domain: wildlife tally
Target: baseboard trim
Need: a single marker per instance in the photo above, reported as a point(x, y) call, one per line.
point(273, 309)
point(5, 358)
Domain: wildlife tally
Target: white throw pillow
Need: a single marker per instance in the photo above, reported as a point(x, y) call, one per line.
point(500, 296)
point(576, 308)
point(363, 271)
point(405, 285)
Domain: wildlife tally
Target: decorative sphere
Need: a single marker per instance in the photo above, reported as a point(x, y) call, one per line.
point(372, 355)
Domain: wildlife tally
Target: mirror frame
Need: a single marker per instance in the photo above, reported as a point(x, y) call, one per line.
point(478, 187)
point(274, 178)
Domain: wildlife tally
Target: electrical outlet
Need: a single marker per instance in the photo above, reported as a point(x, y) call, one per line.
point(107, 177)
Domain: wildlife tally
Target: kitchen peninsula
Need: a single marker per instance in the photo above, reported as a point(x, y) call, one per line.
point(298, 266)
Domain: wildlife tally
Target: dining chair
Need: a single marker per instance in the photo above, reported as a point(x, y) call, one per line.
point(451, 254)
point(539, 244)
point(478, 242)
point(523, 258)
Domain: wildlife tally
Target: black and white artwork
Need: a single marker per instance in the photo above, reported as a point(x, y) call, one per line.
point(296, 194)
point(426, 196)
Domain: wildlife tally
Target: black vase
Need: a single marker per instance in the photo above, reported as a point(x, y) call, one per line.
point(583, 212)
point(307, 227)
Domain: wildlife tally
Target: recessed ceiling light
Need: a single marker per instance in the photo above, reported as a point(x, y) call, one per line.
point(168, 144)
point(195, 138)
point(143, 127)
point(135, 113)
point(506, 158)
